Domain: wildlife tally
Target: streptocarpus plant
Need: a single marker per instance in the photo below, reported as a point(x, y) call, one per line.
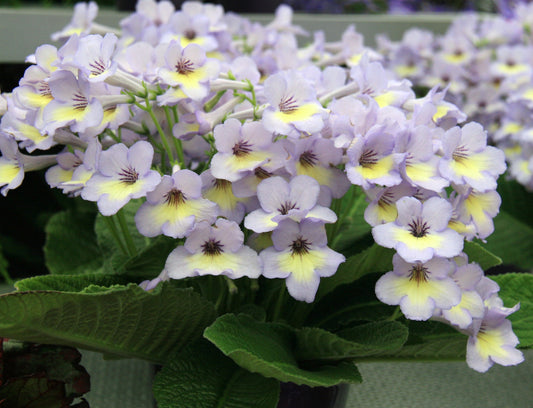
point(261, 211)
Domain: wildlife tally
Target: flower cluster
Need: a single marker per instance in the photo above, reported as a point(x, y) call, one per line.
point(240, 145)
point(485, 64)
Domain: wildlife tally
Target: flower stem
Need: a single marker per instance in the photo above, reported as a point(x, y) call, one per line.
point(131, 249)
point(114, 232)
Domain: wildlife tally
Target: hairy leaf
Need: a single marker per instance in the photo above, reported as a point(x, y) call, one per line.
point(71, 246)
point(268, 349)
point(202, 377)
point(366, 340)
point(121, 320)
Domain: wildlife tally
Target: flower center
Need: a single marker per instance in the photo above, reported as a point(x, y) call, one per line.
point(174, 197)
point(288, 104)
point(212, 247)
point(97, 67)
point(300, 246)
point(190, 34)
point(286, 207)
point(460, 153)
point(418, 228)
point(128, 176)
point(308, 159)
point(368, 158)
point(80, 101)
point(241, 148)
point(184, 66)
point(419, 274)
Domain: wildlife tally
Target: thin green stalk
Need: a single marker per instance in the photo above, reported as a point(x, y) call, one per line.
point(208, 107)
point(177, 143)
point(132, 250)
point(279, 304)
point(114, 232)
point(3, 270)
point(162, 134)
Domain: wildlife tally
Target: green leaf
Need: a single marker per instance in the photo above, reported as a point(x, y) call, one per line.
point(516, 201)
point(515, 288)
point(121, 320)
point(267, 349)
point(431, 341)
point(69, 283)
point(202, 377)
point(349, 303)
point(511, 240)
point(373, 259)
point(366, 340)
point(479, 254)
point(71, 246)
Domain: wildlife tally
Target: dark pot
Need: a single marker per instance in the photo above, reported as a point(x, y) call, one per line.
point(302, 396)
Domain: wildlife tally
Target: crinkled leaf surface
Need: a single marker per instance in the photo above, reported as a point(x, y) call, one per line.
point(366, 340)
point(202, 377)
point(123, 320)
point(71, 246)
point(515, 288)
point(268, 349)
point(431, 341)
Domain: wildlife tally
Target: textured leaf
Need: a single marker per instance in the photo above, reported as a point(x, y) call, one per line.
point(362, 341)
point(267, 349)
point(512, 241)
point(514, 288)
point(432, 341)
point(121, 320)
point(202, 377)
point(71, 246)
point(479, 254)
point(349, 303)
point(373, 259)
point(69, 283)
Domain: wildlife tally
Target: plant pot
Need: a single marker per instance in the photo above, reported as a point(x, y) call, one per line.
point(303, 396)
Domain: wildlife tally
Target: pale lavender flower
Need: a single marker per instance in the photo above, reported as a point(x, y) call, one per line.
point(301, 256)
point(241, 148)
point(421, 230)
point(492, 341)
point(372, 160)
point(293, 107)
point(280, 199)
point(73, 104)
point(318, 157)
point(175, 206)
point(188, 68)
point(214, 250)
point(81, 22)
point(471, 305)
point(123, 174)
point(468, 160)
point(419, 288)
